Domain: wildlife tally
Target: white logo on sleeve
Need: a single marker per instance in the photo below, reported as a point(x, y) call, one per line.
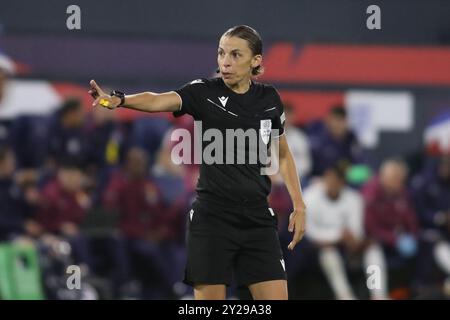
point(191, 214)
point(282, 264)
point(223, 100)
point(197, 81)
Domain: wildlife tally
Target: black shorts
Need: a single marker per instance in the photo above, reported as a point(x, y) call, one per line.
point(223, 241)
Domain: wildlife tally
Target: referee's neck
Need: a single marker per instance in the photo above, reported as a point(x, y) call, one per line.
point(241, 87)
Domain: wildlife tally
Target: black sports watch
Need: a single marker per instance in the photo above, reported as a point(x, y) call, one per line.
point(121, 95)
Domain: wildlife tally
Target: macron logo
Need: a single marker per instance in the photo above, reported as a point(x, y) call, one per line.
point(223, 101)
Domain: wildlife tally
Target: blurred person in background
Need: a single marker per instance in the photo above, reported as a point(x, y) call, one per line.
point(431, 191)
point(298, 143)
point(62, 208)
point(169, 177)
point(335, 227)
point(148, 133)
point(333, 142)
point(390, 222)
point(29, 139)
point(17, 199)
point(67, 136)
point(103, 152)
point(7, 70)
point(176, 183)
point(177, 186)
point(145, 223)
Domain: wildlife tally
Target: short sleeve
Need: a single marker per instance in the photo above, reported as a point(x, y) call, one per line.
point(280, 118)
point(190, 95)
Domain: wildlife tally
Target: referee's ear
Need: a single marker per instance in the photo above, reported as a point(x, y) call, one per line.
point(257, 61)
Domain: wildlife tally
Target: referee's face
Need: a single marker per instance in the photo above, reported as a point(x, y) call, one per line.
point(236, 60)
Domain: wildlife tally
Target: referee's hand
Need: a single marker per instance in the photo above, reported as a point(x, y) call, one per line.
point(297, 225)
point(101, 98)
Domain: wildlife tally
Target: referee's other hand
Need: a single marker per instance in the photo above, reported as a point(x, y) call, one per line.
point(297, 225)
point(101, 98)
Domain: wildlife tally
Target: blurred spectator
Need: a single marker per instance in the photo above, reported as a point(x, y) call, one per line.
point(432, 198)
point(103, 150)
point(298, 143)
point(29, 138)
point(105, 138)
point(147, 133)
point(332, 142)
point(144, 221)
point(390, 221)
point(334, 227)
point(169, 176)
point(176, 184)
point(67, 137)
point(19, 198)
point(62, 208)
point(6, 71)
point(13, 205)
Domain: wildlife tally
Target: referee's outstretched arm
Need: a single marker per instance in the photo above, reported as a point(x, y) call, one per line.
point(145, 101)
point(288, 171)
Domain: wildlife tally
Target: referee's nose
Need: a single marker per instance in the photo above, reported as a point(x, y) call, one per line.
point(226, 63)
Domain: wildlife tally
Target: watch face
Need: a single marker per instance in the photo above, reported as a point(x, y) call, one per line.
point(120, 95)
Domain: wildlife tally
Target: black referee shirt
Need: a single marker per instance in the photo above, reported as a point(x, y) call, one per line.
point(210, 101)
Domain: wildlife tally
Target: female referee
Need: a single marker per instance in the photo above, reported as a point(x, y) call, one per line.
point(231, 229)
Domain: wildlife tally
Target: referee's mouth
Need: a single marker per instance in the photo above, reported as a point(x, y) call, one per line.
point(227, 75)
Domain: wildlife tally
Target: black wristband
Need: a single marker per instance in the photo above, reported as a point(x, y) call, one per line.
point(120, 95)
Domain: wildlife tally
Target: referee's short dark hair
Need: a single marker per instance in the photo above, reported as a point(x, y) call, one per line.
point(253, 39)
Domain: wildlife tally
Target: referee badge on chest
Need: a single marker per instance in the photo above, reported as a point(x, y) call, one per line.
point(265, 129)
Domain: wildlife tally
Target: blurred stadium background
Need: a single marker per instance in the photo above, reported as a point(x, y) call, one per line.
point(97, 189)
